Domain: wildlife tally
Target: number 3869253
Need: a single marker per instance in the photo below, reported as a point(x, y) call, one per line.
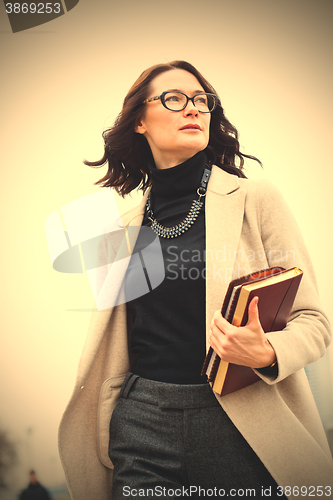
point(33, 8)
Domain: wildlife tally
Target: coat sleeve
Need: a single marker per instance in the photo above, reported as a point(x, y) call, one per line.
point(307, 334)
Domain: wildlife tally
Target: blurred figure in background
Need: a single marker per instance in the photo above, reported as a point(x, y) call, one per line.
point(34, 491)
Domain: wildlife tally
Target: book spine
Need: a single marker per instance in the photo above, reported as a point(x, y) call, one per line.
point(206, 362)
point(215, 367)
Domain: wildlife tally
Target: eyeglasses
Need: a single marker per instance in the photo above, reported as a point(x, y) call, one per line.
point(177, 101)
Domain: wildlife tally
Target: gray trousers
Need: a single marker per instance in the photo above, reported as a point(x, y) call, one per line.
point(175, 441)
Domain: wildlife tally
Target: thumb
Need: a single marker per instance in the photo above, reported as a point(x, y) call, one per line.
point(253, 314)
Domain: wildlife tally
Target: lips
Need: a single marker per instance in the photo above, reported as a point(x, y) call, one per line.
point(191, 126)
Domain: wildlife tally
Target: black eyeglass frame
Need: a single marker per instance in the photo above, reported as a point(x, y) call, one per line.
point(162, 96)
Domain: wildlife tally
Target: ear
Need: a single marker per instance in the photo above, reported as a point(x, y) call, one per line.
point(140, 127)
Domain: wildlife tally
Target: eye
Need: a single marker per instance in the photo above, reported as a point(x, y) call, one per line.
point(173, 97)
point(201, 99)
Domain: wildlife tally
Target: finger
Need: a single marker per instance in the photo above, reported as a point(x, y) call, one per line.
point(211, 343)
point(253, 317)
point(216, 333)
point(216, 316)
point(221, 323)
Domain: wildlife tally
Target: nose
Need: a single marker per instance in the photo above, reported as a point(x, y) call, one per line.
point(190, 109)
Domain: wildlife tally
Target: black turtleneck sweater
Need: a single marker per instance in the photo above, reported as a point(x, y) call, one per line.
point(168, 334)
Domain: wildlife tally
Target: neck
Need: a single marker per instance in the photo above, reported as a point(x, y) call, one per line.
point(180, 179)
point(163, 162)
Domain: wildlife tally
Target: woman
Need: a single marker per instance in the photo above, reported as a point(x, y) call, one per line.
point(170, 435)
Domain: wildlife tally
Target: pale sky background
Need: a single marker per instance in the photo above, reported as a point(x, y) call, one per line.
point(62, 83)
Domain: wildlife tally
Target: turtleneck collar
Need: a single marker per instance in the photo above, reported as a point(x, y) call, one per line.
point(179, 180)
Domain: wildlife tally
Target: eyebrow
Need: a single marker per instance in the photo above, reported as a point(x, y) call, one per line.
point(178, 90)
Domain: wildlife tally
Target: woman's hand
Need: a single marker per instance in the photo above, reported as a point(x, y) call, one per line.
point(246, 345)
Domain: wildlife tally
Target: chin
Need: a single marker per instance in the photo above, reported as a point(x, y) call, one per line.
point(194, 149)
point(194, 142)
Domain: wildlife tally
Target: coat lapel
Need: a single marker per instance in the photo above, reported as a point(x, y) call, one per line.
point(134, 216)
point(131, 222)
point(224, 219)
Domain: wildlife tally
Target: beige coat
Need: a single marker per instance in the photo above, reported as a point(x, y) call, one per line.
point(248, 227)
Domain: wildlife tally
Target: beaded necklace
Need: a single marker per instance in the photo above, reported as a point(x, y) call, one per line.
point(173, 232)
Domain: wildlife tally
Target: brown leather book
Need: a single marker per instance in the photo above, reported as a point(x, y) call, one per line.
point(276, 288)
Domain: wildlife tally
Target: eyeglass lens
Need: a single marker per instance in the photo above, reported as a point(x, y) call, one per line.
point(176, 101)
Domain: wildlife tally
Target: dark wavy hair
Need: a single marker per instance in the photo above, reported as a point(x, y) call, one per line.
point(128, 153)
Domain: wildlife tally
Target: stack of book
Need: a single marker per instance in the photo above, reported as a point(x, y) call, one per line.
point(276, 288)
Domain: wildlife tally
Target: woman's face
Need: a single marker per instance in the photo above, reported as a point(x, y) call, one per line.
point(170, 137)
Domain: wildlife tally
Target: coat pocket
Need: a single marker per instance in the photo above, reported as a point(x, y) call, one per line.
point(108, 398)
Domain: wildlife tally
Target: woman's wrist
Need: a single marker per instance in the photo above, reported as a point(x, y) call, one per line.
point(269, 366)
point(270, 359)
